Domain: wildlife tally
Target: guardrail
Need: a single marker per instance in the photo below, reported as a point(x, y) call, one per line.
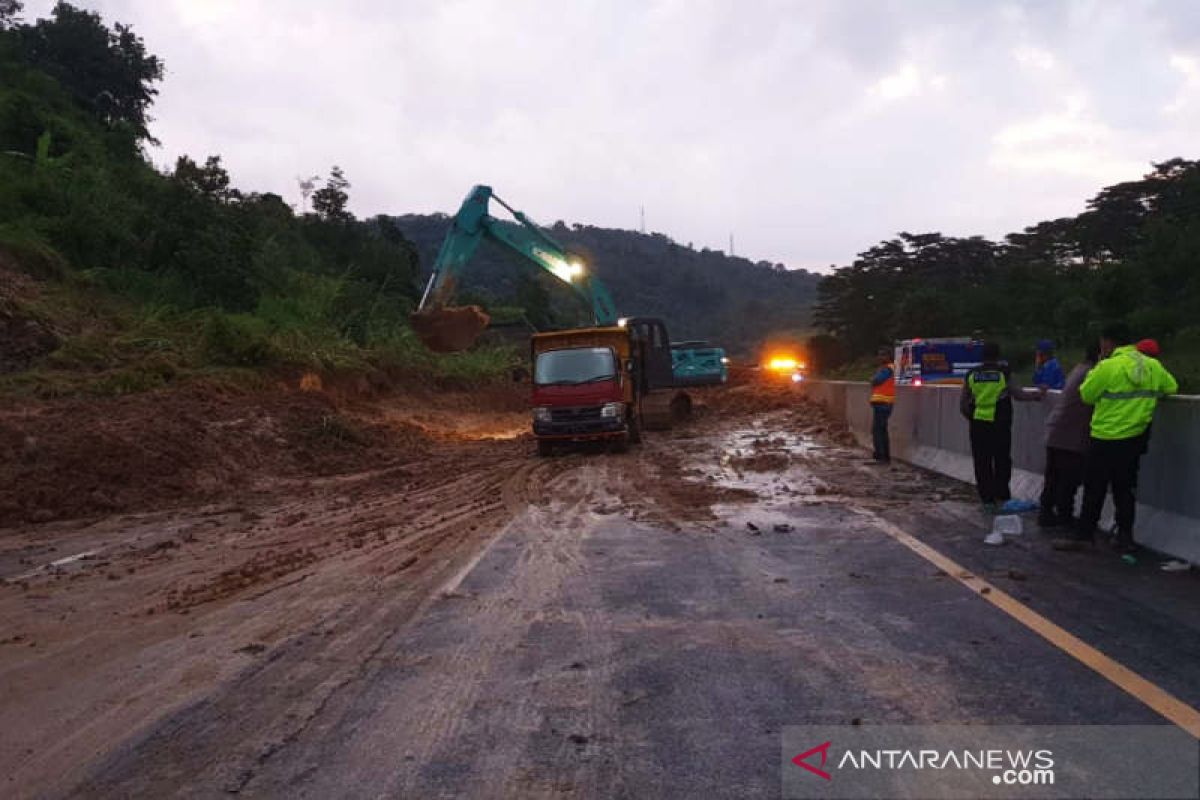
point(928, 430)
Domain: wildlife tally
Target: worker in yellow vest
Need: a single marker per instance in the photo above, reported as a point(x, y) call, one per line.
point(986, 402)
point(883, 399)
point(1124, 388)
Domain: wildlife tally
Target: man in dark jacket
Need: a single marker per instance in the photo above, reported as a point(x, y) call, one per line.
point(1067, 433)
point(986, 402)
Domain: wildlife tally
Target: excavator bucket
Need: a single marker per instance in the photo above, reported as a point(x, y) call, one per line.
point(450, 328)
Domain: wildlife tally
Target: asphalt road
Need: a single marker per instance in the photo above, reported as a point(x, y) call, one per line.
point(619, 640)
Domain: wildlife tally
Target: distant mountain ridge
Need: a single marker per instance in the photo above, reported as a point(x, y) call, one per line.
point(702, 294)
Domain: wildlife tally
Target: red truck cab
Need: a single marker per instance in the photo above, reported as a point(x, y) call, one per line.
point(598, 383)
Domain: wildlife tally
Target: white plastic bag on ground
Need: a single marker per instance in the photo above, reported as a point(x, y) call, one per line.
point(1007, 525)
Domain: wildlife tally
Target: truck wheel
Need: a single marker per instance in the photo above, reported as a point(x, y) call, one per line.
point(635, 429)
point(545, 448)
point(681, 407)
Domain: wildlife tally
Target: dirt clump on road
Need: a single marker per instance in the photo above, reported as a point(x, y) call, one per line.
point(760, 462)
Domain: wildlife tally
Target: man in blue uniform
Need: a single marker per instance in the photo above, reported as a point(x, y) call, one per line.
point(1048, 373)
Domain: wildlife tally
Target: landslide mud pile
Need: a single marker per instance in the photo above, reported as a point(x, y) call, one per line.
point(81, 456)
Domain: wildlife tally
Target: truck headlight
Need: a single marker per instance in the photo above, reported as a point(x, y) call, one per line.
point(609, 410)
point(541, 414)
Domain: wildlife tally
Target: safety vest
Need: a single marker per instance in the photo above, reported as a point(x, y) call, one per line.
point(886, 391)
point(987, 387)
point(1125, 388)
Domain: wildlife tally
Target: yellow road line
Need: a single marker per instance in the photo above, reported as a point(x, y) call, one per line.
point(1155, 697)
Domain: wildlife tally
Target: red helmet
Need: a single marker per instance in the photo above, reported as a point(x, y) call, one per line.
point(1148, 346)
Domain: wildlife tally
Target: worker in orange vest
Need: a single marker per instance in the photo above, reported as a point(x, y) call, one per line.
point(883, 398)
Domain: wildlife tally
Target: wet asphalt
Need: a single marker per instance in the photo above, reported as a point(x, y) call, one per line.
point(588, 654)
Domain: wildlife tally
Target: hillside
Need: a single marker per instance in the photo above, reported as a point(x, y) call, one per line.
point(117, 277)
point(702, 294)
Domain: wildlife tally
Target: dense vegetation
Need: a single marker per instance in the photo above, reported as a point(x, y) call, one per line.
point(150, 275)
point(702, 294)
point(156, 274)
point(1133, 255)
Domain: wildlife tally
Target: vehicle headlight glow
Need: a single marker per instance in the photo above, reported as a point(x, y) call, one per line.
point(782, 363)
point(611, 410)
point(541, 414)
point(797, 377)
point(724, 360)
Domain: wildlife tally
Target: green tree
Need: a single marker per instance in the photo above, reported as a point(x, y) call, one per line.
point(109, 72)
point(210, 180)
point(329, 202)
point(9, 13)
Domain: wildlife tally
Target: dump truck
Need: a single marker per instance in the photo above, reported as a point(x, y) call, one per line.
point(604, 383)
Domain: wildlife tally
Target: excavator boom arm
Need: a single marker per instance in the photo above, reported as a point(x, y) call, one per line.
point(523, 237)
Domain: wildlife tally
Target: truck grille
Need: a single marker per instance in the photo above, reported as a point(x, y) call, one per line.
point(575, 415)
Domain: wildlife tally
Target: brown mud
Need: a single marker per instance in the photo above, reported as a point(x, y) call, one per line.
point(451, 328)
point(245, 555)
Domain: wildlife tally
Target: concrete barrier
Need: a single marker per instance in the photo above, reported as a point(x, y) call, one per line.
point(927, 430)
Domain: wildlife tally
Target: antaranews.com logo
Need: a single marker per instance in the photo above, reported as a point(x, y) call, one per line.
point(1141, 761)
point(1008, 767)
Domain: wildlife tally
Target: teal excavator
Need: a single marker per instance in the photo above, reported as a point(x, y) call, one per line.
point(447, 328)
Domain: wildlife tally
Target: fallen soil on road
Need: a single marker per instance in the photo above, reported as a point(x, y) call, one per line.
point(277, 542)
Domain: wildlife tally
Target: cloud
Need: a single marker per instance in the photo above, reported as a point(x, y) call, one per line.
point(808, 130)
point(1034, 58)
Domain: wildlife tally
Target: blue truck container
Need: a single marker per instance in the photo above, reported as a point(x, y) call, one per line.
point(697, 363)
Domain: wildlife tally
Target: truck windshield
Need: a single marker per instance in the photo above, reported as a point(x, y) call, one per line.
point(575, 365)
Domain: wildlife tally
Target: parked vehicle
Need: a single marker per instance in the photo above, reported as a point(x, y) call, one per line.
point(697, 363)
point(930, 361)
point(603, 383)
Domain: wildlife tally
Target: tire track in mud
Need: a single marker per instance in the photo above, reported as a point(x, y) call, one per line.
point(378, 555)
point(516, 490)
point(384, 730)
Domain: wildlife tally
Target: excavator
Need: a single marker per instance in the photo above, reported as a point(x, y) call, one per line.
point(604, 382)
point(445, 328)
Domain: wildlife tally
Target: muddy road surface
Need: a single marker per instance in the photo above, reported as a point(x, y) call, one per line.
point(485, 623)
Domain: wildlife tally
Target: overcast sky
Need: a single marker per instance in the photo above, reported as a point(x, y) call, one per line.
point(810, 130)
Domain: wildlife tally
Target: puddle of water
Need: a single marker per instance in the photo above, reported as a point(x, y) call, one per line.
point(773, 462)
point(780, 452)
